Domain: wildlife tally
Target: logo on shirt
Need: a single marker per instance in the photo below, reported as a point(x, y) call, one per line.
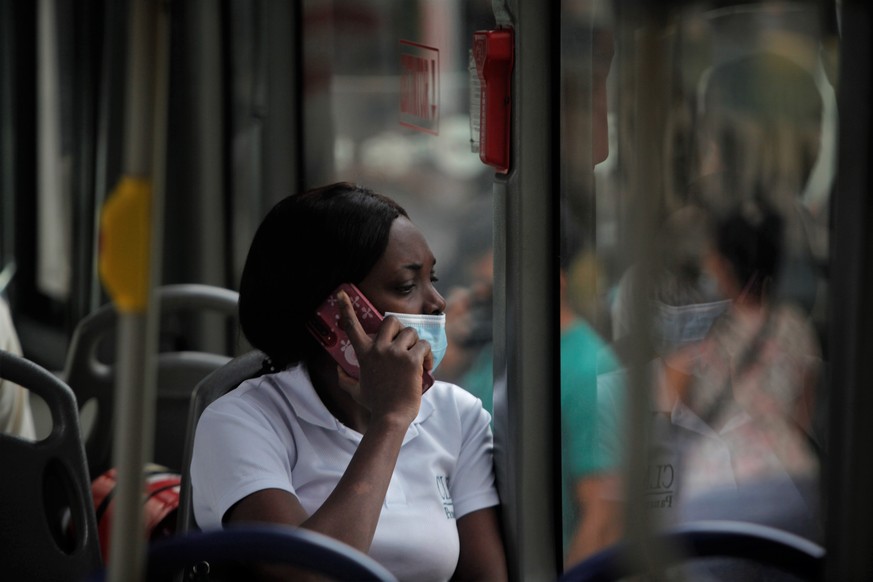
point(659, 486)
point(442, 483)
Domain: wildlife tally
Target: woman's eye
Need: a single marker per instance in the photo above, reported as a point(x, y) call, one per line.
point(406, 289)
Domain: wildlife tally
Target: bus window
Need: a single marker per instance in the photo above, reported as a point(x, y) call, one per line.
point(695, 260)
point(386, 104)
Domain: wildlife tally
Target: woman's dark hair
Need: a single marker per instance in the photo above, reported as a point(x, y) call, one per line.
point(751, 239)
point(305, 247)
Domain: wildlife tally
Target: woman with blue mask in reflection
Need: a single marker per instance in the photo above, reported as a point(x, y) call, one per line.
point(752, 394)
point(398, 472)
point(681, 302)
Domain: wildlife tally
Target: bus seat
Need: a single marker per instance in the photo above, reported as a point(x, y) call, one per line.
point(216, 384)
point(764, 547)
point(47, 525)
point(202, 554)
point(89, 370)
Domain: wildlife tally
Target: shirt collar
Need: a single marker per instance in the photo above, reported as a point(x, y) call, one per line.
point(297, 386)
point(686, 418)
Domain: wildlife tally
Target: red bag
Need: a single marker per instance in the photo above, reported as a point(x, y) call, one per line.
point(159, 506)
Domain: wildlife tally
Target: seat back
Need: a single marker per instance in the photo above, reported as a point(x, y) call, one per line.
point(90, 372)
point(47, 524)
point(773, 552)
point(257, 543)
point(215, 385)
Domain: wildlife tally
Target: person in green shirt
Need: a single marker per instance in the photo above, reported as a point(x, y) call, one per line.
point(583, 355)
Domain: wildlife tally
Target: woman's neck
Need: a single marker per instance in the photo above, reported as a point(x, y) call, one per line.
point(749, 306)
point(341, 404)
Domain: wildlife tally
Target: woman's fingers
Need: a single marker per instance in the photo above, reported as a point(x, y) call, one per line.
point(420, 351)
point(406, 338)
point(392, 337)
point(350, 324)
point(428, 355)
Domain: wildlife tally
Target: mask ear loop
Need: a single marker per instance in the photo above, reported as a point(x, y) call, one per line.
point(747, 290)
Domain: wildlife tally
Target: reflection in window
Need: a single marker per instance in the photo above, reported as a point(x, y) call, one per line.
point(706, 228)
point(352, 100)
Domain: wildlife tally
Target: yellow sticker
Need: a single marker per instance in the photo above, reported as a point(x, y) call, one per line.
point(125, 241)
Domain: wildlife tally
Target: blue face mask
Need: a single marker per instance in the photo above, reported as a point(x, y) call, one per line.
point(678, 326)
point(429, 327)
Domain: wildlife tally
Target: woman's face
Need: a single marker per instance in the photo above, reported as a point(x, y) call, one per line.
point(402, 280)
point(719, 268)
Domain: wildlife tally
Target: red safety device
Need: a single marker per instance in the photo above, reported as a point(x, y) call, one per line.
point(160, 504)
point(493, 54)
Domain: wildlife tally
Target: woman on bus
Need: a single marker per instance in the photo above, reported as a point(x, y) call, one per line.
point(683, 303)
point(404, 476)
point(755, 388)
point(731, 384)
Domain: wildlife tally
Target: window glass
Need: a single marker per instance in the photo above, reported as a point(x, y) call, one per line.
point(371, 117)
point(698, 159)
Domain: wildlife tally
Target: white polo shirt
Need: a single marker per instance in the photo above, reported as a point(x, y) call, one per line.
point(273, 432)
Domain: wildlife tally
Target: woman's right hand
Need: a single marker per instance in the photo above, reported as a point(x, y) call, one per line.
point(391, 365)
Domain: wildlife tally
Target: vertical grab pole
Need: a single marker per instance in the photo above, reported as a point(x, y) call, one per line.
point(525, 292)
point(130, 266)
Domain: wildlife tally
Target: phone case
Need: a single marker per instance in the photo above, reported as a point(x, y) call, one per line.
point(324, 326)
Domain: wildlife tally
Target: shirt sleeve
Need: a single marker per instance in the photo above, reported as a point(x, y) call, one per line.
point(582, 357)
point(236, 453)
point(610, 412)
point(472, 485)
point(579, 426)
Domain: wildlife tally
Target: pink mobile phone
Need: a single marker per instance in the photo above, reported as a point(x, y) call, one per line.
point(324, 326)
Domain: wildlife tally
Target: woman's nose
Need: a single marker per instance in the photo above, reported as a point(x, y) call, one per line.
point(437, 305)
